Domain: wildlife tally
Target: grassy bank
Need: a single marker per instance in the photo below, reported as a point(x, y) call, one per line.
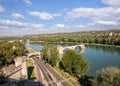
point(72, 80)
point(30, 66)
point(31, 50)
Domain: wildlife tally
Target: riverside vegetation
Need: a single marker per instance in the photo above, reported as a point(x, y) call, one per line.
point(109, 76)
point(99, 37)
point(72, 62)
point(76, 66)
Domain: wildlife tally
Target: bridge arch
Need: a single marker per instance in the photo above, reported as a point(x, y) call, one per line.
point(78, 48)
point(61, 49)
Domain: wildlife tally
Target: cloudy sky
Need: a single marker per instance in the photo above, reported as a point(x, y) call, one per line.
point(21, 17)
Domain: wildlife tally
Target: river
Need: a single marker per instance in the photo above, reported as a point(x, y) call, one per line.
point(98, 56)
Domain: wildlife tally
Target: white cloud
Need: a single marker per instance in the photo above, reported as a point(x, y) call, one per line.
point(102, 16)
point(59, 26)
point(28, 2)
point(106, 22)
point(115, 3)
point(44, 15)
point(18, 25)
point(2, 9)
point(17, 16)
point(4, 27)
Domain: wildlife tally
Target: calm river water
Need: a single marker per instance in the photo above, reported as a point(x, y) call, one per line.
point(98, 56)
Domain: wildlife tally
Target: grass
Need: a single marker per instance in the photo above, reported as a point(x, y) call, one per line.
point(31, 50)
point(73, 81)
point(30, 66)
point(61, 72)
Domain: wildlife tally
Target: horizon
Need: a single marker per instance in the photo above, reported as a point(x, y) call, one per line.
point(27, 35)
point(32, 17)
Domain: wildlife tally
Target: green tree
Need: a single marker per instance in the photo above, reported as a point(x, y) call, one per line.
point(86, 80)
point(18, 48)
point(44, 54)
point(8, 51)
point(74, 63)
point(50, 54)
point(109, 76)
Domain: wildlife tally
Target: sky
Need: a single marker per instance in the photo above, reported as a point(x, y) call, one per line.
point(23, 17)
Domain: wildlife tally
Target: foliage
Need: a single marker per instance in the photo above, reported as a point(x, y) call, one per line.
point(50, 54)
point(74, 63)
point(108, 77)
point(30, 50)
point(19, 48)
point(100, 37)
point(8, 51)
point(86, 80)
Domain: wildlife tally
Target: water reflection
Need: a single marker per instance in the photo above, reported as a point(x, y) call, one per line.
point(105, 49)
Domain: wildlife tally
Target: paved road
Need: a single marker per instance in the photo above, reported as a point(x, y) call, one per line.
point(51, 77)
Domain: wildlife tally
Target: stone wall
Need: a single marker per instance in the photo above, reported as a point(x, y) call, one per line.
point(17, 71)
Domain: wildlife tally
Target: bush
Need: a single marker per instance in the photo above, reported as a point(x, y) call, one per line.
point(109, 76)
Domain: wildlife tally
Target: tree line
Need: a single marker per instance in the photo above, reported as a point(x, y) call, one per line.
point(99, 37)
point(111, 37)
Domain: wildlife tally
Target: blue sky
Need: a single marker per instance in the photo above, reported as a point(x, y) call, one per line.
point(22, 17)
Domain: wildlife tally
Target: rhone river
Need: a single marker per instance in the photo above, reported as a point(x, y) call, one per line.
point(98, 56)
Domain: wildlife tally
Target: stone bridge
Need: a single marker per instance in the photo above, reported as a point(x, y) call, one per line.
point(61, 48)
point(31, 54)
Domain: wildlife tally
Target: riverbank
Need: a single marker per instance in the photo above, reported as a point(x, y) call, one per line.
point(30, 50)
point(74, 43)
point(72, 80)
